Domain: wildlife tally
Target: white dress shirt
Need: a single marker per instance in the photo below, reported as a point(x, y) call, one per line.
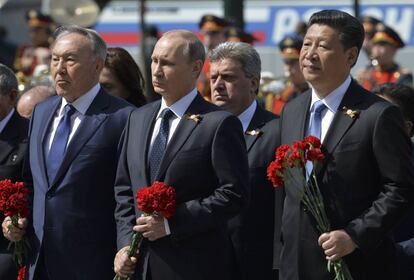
point(178, 108)
point(332, 102)
point(5, 120)
point(247, 115)
point(81, 105)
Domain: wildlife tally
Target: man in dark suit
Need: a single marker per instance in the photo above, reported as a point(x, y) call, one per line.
point(366, 178)
point(13, 145)
point(205, 161)
point(73, 153)
point(235, 76)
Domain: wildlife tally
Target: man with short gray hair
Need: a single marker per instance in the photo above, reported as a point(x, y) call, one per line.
point(235, 75)
point(71, 166)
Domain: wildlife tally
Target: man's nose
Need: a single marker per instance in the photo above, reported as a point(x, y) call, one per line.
point(311, 52)
point(218, 83)
point(156, 70)
point(61, 67)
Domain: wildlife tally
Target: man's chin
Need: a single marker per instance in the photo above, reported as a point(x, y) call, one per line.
point(220, 103)
point(159, 90)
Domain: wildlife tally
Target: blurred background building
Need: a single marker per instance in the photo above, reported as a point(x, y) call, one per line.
point(268, 20)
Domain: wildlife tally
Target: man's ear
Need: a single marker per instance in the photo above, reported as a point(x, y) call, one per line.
point(13, 96)
point(197, 67)
point(352, 54)
point(99, 65)
point(255, 85)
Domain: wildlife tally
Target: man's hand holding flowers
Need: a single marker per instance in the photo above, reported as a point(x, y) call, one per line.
point(12, 232)
point(336, 244)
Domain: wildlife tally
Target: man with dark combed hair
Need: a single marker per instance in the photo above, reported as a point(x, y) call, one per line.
point(367, 177)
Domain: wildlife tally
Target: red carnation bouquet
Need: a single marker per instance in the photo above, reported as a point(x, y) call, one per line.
point(158, 198)
point(296, 156)
point(14, 204)
point(21, 275)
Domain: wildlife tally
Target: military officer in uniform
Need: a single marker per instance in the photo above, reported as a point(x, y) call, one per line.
point(212, 29)
point(384, 69)
point(235, 34)
point(37, 52)
point(295, 83)
point(369, 23)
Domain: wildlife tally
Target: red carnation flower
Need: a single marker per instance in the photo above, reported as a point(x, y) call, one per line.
point(297, 154)
point(157, 198)
point(21, 275)
point(14, 204)
point(312, 141)
point(315, 154)
point(275, 173)
point(282, 151)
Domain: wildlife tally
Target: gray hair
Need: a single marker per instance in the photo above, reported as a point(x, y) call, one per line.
point(98, 44)
point(243, 53)
point(8, 81)
point(193, 48)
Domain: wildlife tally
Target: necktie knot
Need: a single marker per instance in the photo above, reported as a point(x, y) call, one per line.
point(166, 114)
point(69, 110)
point(318, 107)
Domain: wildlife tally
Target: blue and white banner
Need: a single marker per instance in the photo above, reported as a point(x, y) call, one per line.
point(268, 21)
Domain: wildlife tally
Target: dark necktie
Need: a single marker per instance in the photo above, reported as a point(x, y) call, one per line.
point(160, 143)
point(58, 147)
point(315, 125)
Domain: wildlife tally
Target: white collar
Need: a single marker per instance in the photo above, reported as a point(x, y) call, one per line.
point(180, 106)
point(247, 115)
point(82, 103)
point(333, 100)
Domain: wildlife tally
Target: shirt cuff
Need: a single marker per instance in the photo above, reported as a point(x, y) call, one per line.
point(167, 227)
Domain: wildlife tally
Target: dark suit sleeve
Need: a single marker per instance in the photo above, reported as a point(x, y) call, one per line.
point(392, 154)
point(125, 208)
point(229, 161)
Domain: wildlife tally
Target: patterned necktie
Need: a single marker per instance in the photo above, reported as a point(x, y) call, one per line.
point(315, 129)
point(160, 143)
point(60, 140)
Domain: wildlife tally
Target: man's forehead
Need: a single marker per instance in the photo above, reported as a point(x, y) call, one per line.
point(167, 48)
point(226, 64)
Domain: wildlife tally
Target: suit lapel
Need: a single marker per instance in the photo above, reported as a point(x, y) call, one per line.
point(9, 133)
point(144, 127)
point(296, 126)
point(301, 118)
point(93, 118)
point(340, 123)
point(183, 131)
point(46, 118)
point(253, 131)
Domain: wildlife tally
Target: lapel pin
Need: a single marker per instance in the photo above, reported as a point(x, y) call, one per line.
point(350, 113)
point(254, 132)
point(194, 117)
point(14, 157)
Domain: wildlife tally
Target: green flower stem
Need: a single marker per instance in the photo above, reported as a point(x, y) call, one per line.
point(21, 247)
point(135, 244)
point(341, 270)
